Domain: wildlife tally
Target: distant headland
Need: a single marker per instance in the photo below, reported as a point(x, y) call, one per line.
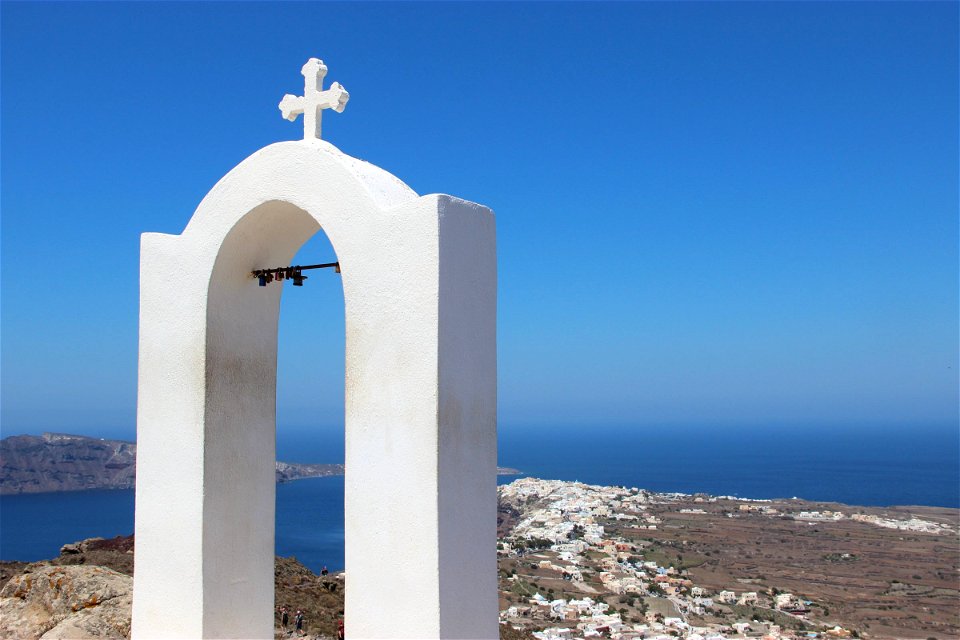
point(61, 462)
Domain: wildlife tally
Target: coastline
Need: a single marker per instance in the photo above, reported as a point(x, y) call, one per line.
point(702, 562)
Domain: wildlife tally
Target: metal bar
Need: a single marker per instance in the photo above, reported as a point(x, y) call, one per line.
point(325, 265)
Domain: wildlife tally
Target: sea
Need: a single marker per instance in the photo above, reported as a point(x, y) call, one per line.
point(861, 466)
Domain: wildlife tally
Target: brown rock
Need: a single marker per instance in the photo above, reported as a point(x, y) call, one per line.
point(66, 602)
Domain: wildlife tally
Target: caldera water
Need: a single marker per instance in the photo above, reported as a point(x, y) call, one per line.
point(865, 466)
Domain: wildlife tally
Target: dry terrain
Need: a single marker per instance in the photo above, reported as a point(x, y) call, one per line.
point(886, 582)
point(875, 572)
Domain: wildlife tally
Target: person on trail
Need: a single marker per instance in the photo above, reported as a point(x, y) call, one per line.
point(340, 635)
point(298, 620)
point(284, 618)
point(324, 571)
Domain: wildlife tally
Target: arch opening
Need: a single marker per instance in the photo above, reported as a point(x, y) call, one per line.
point(310, 412)
point(311, 430)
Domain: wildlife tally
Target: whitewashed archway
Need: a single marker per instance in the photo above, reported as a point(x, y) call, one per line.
point(419, 281)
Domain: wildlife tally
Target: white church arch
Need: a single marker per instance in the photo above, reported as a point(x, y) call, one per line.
point(419, 283)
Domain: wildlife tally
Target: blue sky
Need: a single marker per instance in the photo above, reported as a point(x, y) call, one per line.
point(707, 214)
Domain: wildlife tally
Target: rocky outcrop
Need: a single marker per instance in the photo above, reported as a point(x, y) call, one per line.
point(85, 593)
point(113, 553)
point(78, 601)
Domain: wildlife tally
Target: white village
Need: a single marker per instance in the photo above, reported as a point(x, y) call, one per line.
point(594, 541)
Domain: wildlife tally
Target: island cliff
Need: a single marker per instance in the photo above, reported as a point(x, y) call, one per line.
point(62, 462)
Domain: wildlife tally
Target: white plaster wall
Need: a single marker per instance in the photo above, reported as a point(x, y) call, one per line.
point(391, 436)
point(468, 418)
point(170, 412)
point(419, 291)
point(239, 452)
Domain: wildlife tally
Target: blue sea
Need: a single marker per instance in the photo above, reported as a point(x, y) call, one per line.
point(865, 466)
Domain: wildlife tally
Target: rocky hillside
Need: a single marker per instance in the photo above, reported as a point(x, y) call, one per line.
point(86, 593)
point(60, 462)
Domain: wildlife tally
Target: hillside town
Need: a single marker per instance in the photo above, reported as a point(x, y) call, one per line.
point(583, 561)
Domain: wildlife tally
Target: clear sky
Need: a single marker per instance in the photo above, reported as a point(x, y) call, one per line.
point(707, 214)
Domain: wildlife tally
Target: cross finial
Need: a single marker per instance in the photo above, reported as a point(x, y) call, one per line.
point(314, 99)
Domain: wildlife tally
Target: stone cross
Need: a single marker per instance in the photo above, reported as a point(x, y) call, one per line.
point(314, 99)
